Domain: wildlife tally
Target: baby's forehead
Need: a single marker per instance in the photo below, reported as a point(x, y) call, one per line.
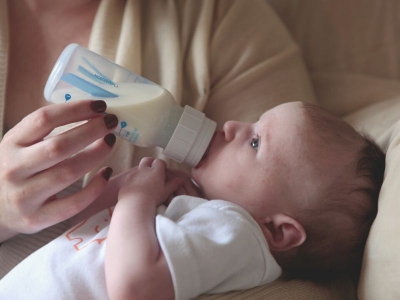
point(328, 126)
point(285, 114)
point(312, 129)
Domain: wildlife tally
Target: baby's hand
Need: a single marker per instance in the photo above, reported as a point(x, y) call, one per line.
point(188, 187)
point(149, 181)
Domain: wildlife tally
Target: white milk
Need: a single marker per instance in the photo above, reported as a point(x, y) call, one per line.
point(147, 113)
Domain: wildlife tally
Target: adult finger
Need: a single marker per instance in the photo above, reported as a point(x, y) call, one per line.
point(51, 151)
point(64, 208)
point(35, 126)
point(60, 176)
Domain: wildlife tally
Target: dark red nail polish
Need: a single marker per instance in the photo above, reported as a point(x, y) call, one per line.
point(111, 121)
point(98, 106)
point(107, 173)
point(110, 139)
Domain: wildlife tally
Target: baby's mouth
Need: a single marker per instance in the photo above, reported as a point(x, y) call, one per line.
point(203, 158)
point(205, 154)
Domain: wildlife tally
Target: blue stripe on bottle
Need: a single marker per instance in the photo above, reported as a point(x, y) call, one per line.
point(87, 86)
point(103, 77)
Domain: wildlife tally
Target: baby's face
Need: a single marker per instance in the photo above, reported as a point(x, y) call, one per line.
point(264, 166)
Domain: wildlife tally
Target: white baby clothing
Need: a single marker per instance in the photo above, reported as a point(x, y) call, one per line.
point(210, 247)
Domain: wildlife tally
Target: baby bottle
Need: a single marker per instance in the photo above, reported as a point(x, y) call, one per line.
point(148, 114)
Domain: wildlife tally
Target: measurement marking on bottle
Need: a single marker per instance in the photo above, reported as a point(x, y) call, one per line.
point(123, 125)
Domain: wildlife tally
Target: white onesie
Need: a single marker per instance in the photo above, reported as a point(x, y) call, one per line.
point(210, 246)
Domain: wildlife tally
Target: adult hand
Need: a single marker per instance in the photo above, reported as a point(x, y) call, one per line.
point(34, 168)
point(107, 199)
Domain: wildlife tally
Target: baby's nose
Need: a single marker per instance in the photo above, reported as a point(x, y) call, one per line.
point(230, 129)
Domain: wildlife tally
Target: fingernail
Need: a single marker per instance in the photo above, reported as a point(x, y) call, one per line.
point(98, 106)
point(111, 121)
point(110, 139)
point(107, 173)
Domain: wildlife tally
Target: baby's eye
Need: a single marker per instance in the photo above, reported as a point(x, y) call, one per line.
point(254, 143)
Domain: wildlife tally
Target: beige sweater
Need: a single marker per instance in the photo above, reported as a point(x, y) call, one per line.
point(230, 59)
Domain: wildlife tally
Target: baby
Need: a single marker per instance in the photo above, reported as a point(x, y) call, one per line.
point(308, 180)
point(296, 190)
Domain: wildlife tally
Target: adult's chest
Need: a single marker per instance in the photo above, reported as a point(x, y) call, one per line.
point(26, 78)
point(34, 46)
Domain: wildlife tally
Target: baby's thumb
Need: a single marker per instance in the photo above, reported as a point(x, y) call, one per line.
point(174, 184)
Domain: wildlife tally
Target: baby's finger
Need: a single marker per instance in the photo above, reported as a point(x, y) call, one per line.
point(146, 162)
point(159, 164)
point(41, 122)
point(181, 191)
point(171, 173)
point(191, 188)
point(64, 208)
point(188, 186)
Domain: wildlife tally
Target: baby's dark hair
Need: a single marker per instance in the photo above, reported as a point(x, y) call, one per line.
point(337, 227)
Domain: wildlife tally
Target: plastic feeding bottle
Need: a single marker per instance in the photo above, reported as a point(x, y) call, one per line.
point(148, 114)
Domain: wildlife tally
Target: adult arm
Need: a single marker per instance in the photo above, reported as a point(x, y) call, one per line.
point(135, 264)
point(34, 168)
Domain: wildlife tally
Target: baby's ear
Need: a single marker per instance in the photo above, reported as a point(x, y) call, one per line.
point(283, 232)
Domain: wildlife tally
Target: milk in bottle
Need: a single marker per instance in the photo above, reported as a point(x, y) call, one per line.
point(146, 113)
